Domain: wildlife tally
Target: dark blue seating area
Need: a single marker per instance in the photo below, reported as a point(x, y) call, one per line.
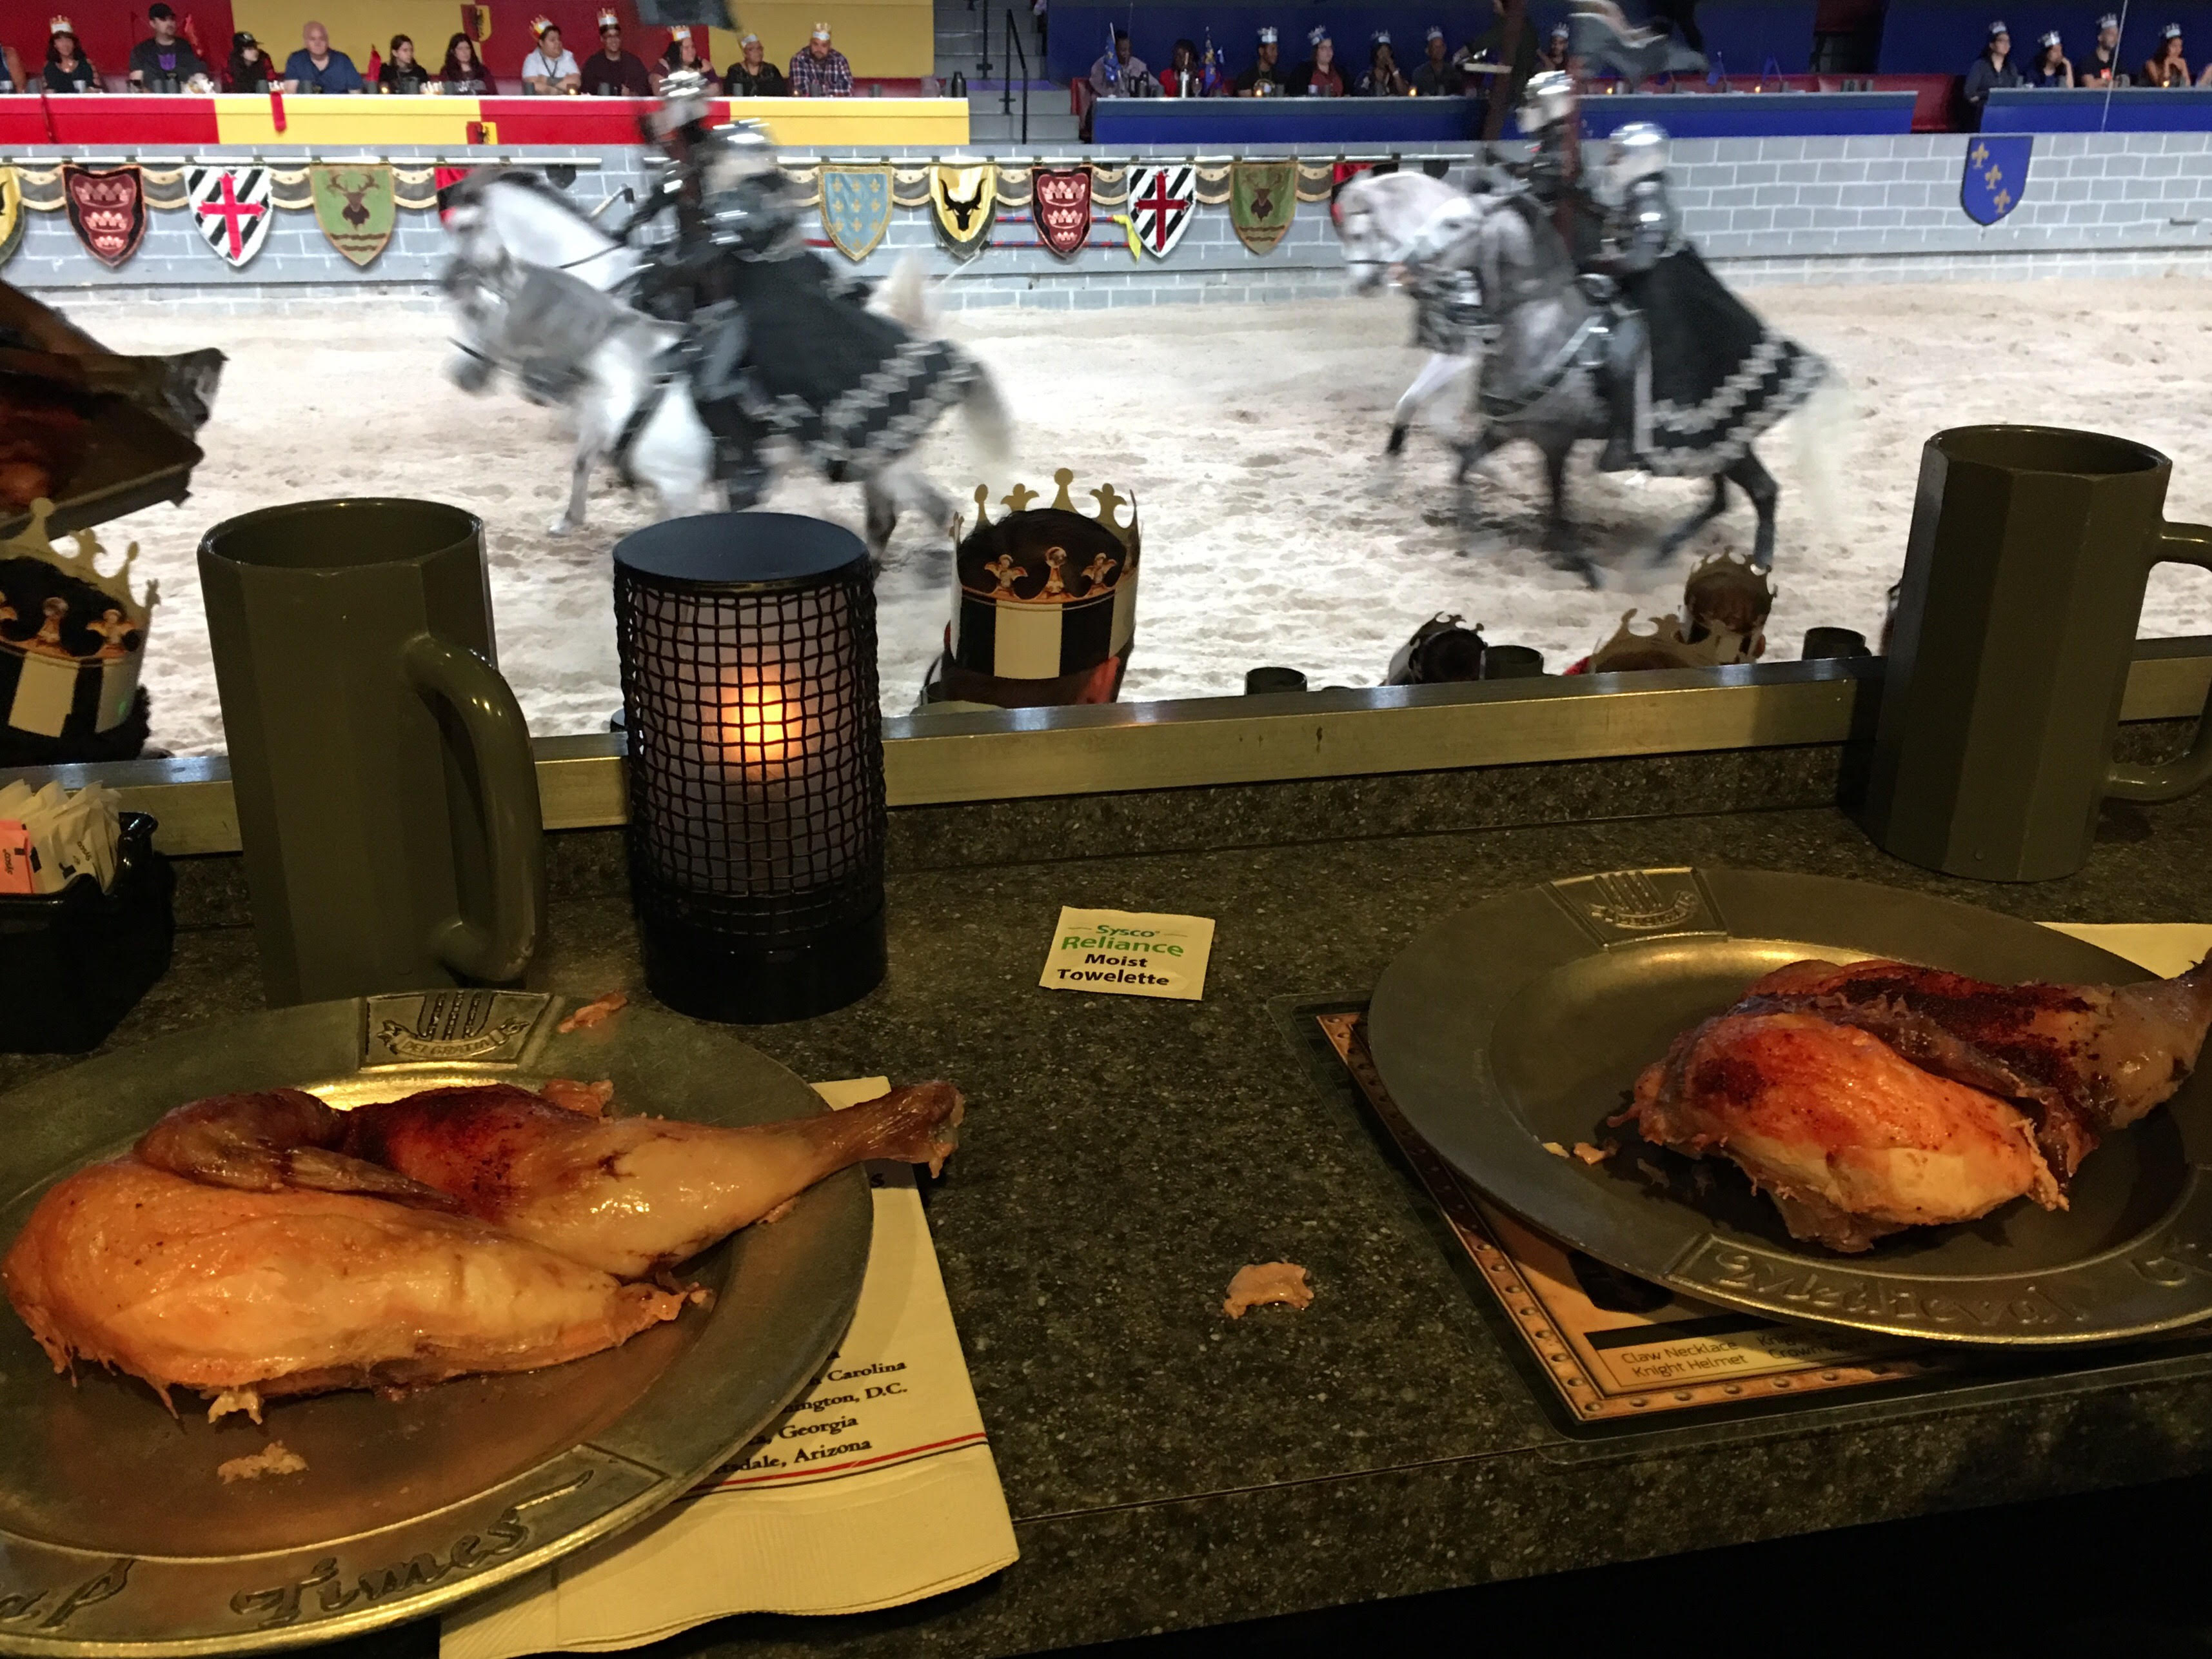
point(1325, 123)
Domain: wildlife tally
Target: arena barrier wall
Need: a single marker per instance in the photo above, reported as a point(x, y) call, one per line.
point(1796, 209)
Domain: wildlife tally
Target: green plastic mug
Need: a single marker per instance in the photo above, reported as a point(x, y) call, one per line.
point(2010, 653)
point(387, 793)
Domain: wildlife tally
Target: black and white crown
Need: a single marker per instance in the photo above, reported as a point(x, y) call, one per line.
point(1045, 591)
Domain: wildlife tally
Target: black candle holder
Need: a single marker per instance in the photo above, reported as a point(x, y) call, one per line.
point(748, 647)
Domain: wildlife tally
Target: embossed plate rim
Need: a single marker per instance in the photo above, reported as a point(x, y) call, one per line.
point(1433, 1028)
point(647, 1456)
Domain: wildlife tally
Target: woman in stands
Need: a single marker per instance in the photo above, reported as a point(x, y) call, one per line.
point(68, 69)
point(681, 54)
point(1383, 79)
point(1319, 76)
point(2049, 68)
point(752, 75)
point(249, 68)
point(2167, 67)
point(1992, 69)
point(462, 75)
point(1182, 77)
point(401, 74)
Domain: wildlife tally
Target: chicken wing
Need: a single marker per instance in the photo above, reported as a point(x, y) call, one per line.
point(241, 1295)
point(626, 1196)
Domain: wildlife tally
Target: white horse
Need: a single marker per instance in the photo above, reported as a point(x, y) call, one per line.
point(539, 290)
point(1392, 225)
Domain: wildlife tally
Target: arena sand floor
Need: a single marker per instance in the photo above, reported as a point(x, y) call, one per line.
point(1251, 436)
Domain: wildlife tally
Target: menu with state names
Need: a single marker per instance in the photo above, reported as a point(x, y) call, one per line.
point(876, 1488)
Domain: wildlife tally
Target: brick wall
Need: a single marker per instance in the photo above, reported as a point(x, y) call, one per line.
point(1765, 209)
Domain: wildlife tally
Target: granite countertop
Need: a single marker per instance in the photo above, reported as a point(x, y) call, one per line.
point(1168, 1468)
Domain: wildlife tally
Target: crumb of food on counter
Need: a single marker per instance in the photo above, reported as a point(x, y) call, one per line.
point(1591, 1154)
point(1263, 1282)
point(588, 1099)
point(594, 1012)
point(1555, 1149)
point(272, 1459)
point(246, 1400)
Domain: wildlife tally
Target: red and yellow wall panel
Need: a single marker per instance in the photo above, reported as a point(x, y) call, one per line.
point(138, 123)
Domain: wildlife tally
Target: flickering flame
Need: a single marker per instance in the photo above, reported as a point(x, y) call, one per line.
point(761, 730)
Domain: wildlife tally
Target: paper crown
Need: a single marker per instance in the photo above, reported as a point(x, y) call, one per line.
point(2050, 38)
point(821, 31)
point(539, 25)
point(1380, 37)
point(60, 26)
point(1997, 28)
point(2111, 20)
point(1315, 36)
point(1665, 646)
point(1434, 34)
point(1267, 37)
point(71, 639)
point(681, 32)
point(2171, 32)
point(1044, 592)
point(1729, 590)
point(608, 20)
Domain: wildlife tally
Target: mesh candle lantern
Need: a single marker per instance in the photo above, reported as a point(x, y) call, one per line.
point(748, 646)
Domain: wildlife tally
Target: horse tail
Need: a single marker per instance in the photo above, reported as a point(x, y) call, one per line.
point(1824, 434)
point(905, 296)
point(989, 422)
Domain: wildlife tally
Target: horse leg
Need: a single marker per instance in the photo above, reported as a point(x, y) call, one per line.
point(590, 444)
point(1759, 484)
point(674, 455)
point(1672, 542)
point(883, 515)
point(1562, 541)
point(1435, 374)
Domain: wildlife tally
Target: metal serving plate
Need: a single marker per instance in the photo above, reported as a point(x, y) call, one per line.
point(116, 1536)
point(1528, 1018)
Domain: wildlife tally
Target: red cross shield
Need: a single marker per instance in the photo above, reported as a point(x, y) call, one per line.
point(1161, 202)
point(231, 207)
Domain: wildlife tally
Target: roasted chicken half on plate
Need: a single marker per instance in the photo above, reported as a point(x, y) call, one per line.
point(1871, 1096)
point(263, 1244)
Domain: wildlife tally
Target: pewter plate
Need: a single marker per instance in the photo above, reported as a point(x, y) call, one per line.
point(116, 1536)
point(1528, 1018)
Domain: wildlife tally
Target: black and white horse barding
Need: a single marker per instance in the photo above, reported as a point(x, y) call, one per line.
point(539, 290)
point(1540, 373)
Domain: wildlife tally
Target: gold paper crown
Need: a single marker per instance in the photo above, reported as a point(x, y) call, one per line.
point(1665, 646)
point(539, 25)
point(821, 31)
point(609, 19)
point(60, 26)
point(680, 31)
point(1018, 500)
point(31, 541)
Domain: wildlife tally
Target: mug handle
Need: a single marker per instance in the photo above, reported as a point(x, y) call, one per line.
point(506, 778)
point(2175, 544)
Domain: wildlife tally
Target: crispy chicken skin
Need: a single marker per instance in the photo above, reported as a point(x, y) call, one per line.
point(240, 1295)
point(1875, 1095)
point(626, 1196)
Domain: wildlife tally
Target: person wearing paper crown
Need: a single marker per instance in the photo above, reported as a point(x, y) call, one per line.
point(71, 645)
point(1045, 603)
point(1266, 78)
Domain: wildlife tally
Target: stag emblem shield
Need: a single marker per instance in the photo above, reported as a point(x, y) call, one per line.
point(354, 205)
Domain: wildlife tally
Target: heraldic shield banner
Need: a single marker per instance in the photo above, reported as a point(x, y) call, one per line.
point(856, 207)
point(11, 213)
point(1995, 176)
point(1263, 199)
point(1061, 208)
point(231, 208)
point(107, 209)
point(354, 206)
point(964, 196)
point(1162, 200)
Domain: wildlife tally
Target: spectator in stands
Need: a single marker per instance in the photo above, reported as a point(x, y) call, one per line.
point(68, 69)
point(2050, 67)
point(2101, 67)
point(752, 75)
point(681, 53)
point(1319, 76)
point(462, 75)
point(316, 68)
point(2166, 67)
point(548, 67)
point(164, 63)
point(1847, 37)
point(402, 74)
point(611, 72)
point(11, 71)
point(1182, 80)
point(1554, 54)
point(1265, 79)
point(1436, 75)
point(1383, 79)
point(819, 70)
point(250, 68)
point(1992, 69)
point(1121, 73)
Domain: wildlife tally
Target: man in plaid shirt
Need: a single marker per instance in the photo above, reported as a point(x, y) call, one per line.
point(820, 72)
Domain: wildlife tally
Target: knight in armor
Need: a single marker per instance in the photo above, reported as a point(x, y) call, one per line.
point(1694, 376)
point(1551, 116)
